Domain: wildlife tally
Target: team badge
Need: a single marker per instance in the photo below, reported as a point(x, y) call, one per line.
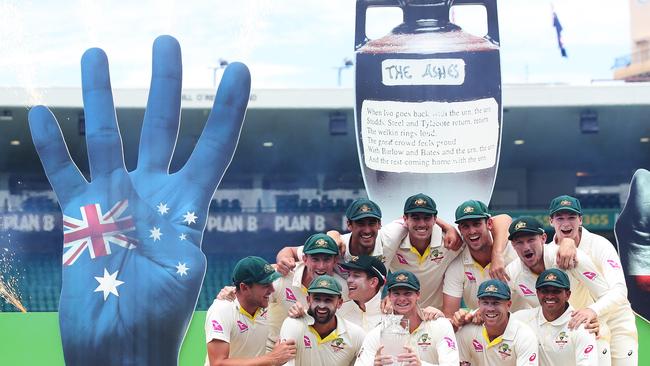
point(565, 203)
point(338, 344)
point(323, 283)
point(520, 225)
point(550, 277)
point(491, 288)
point(562, 339)
point(354, 258)
point(364, 208)
point(269, 268)
point(424, 341)
point(437, 256)
point(505, 351)
point(321, 243)
point(401, 278)
point(420, 202)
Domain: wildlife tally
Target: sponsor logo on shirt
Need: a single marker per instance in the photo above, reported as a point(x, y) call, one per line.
point(614, 264)
point(532, 357)
point(264, 314)
point(562, 339)
point(525, 290)
point(242, 327)
point(337, 344)
point(437, 256)
point(216, 326)
point(450, 342)
point(306, 341)
point(478, 347)
point(470, 276)
point(590, 275)
point(289, 296)
point(401, 259)
point(505, 351)
point(588, 349)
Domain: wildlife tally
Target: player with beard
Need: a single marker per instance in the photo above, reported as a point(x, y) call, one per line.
point(591, 294)
point(565, 214)
point(430, 342)
point(501, 340)
point(473, 265)
point(323, 338)
point(558, 345)
point(227, 343)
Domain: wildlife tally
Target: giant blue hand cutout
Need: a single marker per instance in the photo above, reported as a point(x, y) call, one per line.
point(132, 261)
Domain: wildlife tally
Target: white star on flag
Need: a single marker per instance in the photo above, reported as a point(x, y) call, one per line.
point(181, 269)
point(183, 236)
point(155, 233)
point(108, 284)
point(190, 218)
point(162, 208)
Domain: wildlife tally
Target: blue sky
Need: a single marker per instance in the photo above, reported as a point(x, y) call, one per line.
point(285, 43)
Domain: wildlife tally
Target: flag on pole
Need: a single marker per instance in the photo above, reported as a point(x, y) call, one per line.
point(558, 30)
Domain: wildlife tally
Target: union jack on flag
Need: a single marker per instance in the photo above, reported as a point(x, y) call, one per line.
point(95, 231)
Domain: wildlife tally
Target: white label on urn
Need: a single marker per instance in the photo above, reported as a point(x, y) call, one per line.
point(430, 137)
point(439, 71)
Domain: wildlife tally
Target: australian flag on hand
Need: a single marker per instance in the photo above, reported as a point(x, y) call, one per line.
point(558, 30)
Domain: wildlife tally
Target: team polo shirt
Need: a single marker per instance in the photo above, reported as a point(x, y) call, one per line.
point(368, 319)
point(517, 346)
point(288, 291)
point(588, 288)
point(338, 348)
point(558, 345)
point(621, 320)
point(245, 333)
point(428, 267)
point(464, 275)
point(434, 341)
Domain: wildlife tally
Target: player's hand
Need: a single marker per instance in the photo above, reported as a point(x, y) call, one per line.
point(283, 351)
point(408, 358)
point(339, 241)
point(386, 306)
point(566, 254)
point(296, 311)
point(285, 264)
point(498, 268)
point(593, 327)
point(380, 359)
point(132, 260)
point(633, 236)
point(431, 313)
point(227, 293)
point(581, 316)
point(453, 240)
point(461, 317)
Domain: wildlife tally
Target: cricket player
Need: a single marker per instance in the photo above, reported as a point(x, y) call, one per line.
point(472, 266)
point(565, 214)
point(501, 340)
point(236, 331)
point(323, 338)
point(590, 295)
point(430, 342)
point(558, 344)
point(366, 276)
